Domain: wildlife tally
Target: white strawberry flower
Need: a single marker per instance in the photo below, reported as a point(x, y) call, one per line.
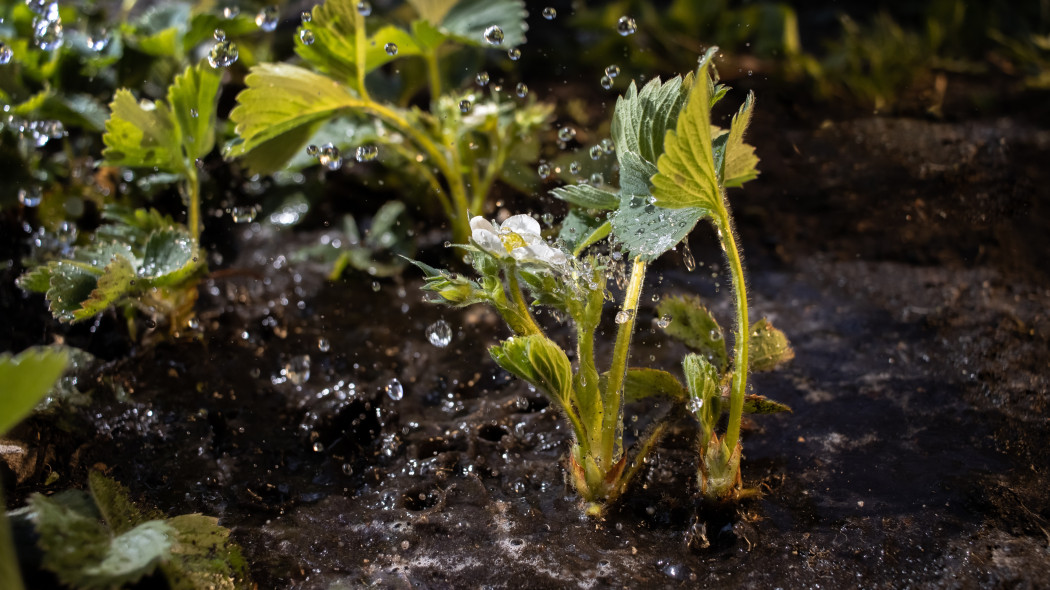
point(518, 237)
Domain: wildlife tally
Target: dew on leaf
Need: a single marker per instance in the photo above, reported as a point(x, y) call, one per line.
point(494, 35)
point(623, 316)
point(439, 333)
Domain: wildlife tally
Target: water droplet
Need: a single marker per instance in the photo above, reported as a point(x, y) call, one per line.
point(223, 54)
point(366, 153)
point(716, 335)
point(364, 8)
point(439, 333)
point(550, 13)
point(566, 134)
point(464, 106)
point(323, 345)
point(494, 35)
point(521, 90)
point(37, 6)
point(230, 12)
point(394, 390)
point(312, 150)
point(47, 28)
point(514, 54)
point(193, 113)
point(608, 146)
point(244, 214)
point(297, 369)
point(376, 286)
point(624, 315)
point(98, 41)
point(612, 71)
point(547, 218)
point(606, 82)
point(626, 26)
point(695, 405)
point(348, 469)
point(5, 54)
point(305, 16)
point(482, 78)
point(596, 151)
point(318, 447)
point(597, 179)
point(306, 36)
point(390, 48)
point(687, 257)
point(544, 170)
point(664, 321)
point(30, 197)
point(219, 35)
point(329, 157)
point(267, 18)
point(574, 168)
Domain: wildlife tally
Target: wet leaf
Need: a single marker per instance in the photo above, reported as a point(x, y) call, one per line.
point(641, 383)
point(192, 97)
point(25, 379)
point(641, 119)
point(203, 557)
point(760, 404)
point(687, 176)
point(36, 280)
point(70, 285)
point(587, 196)
point(467, 20)
point(768, 347)
point(740, 162)
point(694, 325)
point(170, 257)
point(114, 505)
point(283, 103)
point(538, 361)
point(111, 286)
point(141, 134)
point(702, 379)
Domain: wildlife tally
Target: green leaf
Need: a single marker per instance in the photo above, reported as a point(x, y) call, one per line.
point(83, 553)
point(587, 196)
point(432, 11)
point(160, 30)
point(701, 377)
point(70, 285)
point(687, 176)
point(141, 134)
point(647, 231)
point(114, 284)
point(468, 19)
point(281, 103)
point(539, 361)
point(36, 280)
point(203, 557)
point(171, 255)
point(25, 379)
point(192, 98)
point(694, 325)
point(580, 229)
point(740, 162)
point(641, 120)
point(114, 506)
point(760, 404)
point(767, 347)
point(641, 383)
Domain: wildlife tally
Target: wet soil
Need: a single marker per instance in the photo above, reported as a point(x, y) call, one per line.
point(905, 258)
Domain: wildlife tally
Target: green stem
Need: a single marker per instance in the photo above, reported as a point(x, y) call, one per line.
point(9, 571)
point(527, 324)
point(587, 401)
point(193, 196)
point(724, 225)
point(611, 406)
point(360, 49)
point(434, 76)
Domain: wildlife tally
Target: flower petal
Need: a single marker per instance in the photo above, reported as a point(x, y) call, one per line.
point(523, 225)
point(489, 242)
point(479, 222)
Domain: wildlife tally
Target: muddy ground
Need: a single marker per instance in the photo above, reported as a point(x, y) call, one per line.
point(906, 258)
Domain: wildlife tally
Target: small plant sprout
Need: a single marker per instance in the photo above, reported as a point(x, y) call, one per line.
point(457, 150)
point(674, 170)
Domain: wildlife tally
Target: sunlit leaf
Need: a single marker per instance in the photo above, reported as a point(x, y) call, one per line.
point(642, 119)
point(740, 161)
point(114, 283)
point(192, 98)
point(25, 379)
point(694, 325)
point(768, 347)
point(171, 255)
point(141, 134)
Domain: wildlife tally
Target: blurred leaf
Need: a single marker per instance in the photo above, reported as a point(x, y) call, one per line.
point(192, 97)
point(694, 325)
point(641, 383)
point(767, 347)
point(141, 134)
point(759, 404)
point(468, 20)
point(740, 162)
point(114, 283)
point(203, 557)
point(580, 229)
point(587, 196)
point(25, 379)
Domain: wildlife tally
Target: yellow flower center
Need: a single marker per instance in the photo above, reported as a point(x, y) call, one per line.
point(512, 240)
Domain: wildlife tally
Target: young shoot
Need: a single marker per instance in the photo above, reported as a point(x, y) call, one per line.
point(457, 150)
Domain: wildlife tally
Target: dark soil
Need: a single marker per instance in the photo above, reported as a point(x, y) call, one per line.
point(906, 259)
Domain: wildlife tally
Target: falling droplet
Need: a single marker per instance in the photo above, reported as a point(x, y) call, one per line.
point(608, 146)
point(323, 345)
point(306, 36)
point(626, 26)
point(394, 390)
point(574, 168)
point(612, 71)
point(230, 12)
point(439, 333)
point(514, 54)
point(30, 197)
point(695, 405)
point(482, 78)
point(312, 150)
point(664, 321)
point(566, 134)
point(347, 469)
point(521, 90)
point(596, 151)
point(550, 13)
point(243, 214)
point(390, 48)
point(624, 315)
point(267, 18)
point(305, 16)
point(687, 257)
point(47, 28)
point(464, 106)
point(366, 153)
point(544, 170)
point(5, 54)
point(376, 286)
point(318, 447)
point(606, 82)
point(494, 35)
point(223, 54)
point(219, 35)
point(364, 8)
point(297, 369)
point(597, 179)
